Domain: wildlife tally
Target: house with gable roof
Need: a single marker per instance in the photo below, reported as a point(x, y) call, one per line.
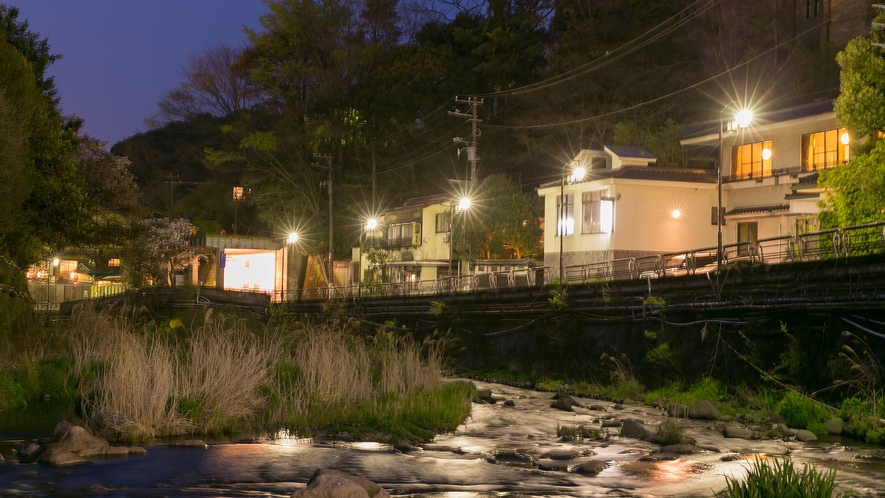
point(624, 206)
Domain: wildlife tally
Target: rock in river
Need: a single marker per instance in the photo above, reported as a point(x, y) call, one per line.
point(328, 483)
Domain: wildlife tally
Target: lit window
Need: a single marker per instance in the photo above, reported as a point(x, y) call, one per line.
point(239, 195)
point(596, 212)
point(824, 149)
point(400, 234)
point(749, 160)
point(566, 214)
point(442, 222)
point(114, 262)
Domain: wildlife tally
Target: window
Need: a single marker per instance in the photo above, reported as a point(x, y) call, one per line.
point(566, 215)
point(238, 194)
point(114, 262)
point(442, 223)
point(824, 149)
point(596, 212)
point(812, 8)
point(746, 233)
point(751, 160)
point(400, 234)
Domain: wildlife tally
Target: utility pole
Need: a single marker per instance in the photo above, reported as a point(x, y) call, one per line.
point(471, 144)
point(328, 167)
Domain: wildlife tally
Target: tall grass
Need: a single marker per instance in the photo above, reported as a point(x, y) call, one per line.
point(220, 376)
point(781, 478)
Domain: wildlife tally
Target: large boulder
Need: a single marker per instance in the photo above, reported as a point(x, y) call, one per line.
point(703, 410)
point(805, 436)
point(636, 429)
point(737, 431)
point(72, 445)
point(328, 483)
point(591, 467)
point(835, 425)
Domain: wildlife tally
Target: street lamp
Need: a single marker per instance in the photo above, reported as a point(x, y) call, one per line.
point(371, 224)
point(293, 238)
point(576, 176)
point(463, 205)
point(742, 118)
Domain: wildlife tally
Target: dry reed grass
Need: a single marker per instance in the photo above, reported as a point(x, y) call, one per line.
point(222, 376)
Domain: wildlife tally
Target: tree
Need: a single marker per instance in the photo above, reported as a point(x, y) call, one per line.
point(156, 250)
point(857, 190)
point(212, 85)
point(501, 222)
point(32, 47)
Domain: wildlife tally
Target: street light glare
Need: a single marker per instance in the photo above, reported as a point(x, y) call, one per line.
point(293, 238)
point(743, 118)
point(578, 173)
point(676, 214)
point(371, 224)
point(766, 154)
point(464, 203)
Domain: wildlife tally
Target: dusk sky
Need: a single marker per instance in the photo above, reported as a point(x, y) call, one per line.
point(122, 56)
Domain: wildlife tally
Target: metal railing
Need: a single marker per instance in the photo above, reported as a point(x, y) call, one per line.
point(834, 243)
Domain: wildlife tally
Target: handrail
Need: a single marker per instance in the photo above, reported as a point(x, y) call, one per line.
point(835, 243)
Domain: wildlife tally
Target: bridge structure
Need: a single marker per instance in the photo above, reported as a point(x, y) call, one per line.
point(753, 268)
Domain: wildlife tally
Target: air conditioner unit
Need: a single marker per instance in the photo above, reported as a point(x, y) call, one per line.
point(446, 237)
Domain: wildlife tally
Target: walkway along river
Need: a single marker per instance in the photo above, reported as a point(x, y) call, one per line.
point(503, 449)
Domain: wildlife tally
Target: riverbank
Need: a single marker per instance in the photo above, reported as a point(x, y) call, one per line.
point(483, 457)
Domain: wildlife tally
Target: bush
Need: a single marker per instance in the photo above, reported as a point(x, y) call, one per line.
point(860, 421)
point(780, 478)
point(803, 413)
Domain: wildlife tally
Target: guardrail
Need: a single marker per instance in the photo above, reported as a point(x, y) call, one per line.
point(836, 243)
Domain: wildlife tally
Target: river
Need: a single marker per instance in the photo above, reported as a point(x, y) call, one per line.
point(461, 464)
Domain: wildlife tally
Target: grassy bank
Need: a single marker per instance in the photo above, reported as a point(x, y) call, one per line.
point(220, 375)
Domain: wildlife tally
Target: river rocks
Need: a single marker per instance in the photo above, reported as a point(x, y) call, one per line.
point(563, 403)
point(598, 408)
point(703, 410)
point(509, 403)
point(877, 455)
point(513, 457)
point(659, 456)
point(680, 449)
point(611, 423)
point(805, 436)
point(116, 427)
point(328, 483)
point(191, 443)
point(737, 431)
point(404, 447)
point(591, 467)
point(835, 425)
point(484, 396)
point(72, 445)
point(553, 466)
point(634, 428)
point(562, 454)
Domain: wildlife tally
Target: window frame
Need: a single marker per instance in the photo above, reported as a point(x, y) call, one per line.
point(840, 153)
point(568, 224)
point(738, 165)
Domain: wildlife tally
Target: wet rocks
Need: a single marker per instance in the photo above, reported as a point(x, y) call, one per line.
point(805, 436)
point(328, 483)
point(635, 428)
point(72, 445)
point(680, 449)
point(484, 396)
point(513, 457)
point(563, 402)
point(737, 431)
point(835, 425)
point(614, 422)
point(116, 427)
point(703, 410)
point(191, 443)
point(561, 454)
point(591, 467)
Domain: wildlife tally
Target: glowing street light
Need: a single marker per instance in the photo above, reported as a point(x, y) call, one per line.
point(676, 214)
point(293, 238)
point(577, 175)
point(742, 118)
point(464, 204)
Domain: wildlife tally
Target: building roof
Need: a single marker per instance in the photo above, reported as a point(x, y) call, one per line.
point(766, 208)
point(426, 200)
point(653, 173)
point(630, 151)
point(761, 119)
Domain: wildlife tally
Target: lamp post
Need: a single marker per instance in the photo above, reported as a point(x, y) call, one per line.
point(328, 167)
point(742, 118)
point(463, 206)
point(371, 224)
point(576, 176)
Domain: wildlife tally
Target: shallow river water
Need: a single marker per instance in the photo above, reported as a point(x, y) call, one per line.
point(461, 464)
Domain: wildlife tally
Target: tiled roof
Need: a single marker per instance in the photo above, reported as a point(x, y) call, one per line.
point(426, 200)
point(757, 209)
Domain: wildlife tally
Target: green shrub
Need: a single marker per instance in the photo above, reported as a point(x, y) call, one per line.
point(803, 413)
point(860, 422)
point(780, 478)
point(12, 395)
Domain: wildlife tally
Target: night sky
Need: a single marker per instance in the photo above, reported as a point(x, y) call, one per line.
point(121, 56)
